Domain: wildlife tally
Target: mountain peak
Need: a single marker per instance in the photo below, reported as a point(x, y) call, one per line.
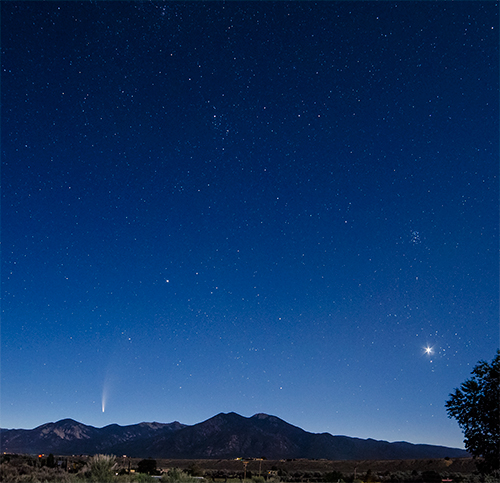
point(261, 416)
point(62, 422)
point(224, 436)
point(153, 425)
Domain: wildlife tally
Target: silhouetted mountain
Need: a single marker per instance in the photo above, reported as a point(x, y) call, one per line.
point(71, 437)
point(222, 436)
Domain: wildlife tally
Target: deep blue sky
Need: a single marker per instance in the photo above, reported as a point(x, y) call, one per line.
point(249, 207)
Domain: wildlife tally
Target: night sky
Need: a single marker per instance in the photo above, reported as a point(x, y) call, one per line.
point(248, 206)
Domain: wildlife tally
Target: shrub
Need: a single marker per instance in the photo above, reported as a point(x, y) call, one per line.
point(101, 468)
point(142, 478)
point(195, 470)
point(333, 476)
point(431, 476)
point(175, 475)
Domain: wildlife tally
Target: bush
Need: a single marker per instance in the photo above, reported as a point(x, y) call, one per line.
point(175, 475)
point(431, 477)
point(7, 472)
point(333, 476)
point(101, 468)
point(195, 470)
point(142, 478)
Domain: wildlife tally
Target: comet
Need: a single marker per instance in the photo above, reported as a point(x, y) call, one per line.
point(104, 398)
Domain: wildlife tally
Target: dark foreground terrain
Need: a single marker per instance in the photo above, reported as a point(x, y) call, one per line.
point(71, 469)
point(291, 466)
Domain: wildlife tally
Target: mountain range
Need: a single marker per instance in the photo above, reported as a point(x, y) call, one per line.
point(224, 436)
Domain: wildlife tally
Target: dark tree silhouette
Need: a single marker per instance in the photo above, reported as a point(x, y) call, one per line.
point(147, 466)
point(475, 406)
point(51, 462)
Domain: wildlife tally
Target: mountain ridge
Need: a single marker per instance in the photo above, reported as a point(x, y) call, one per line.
point(223, 436)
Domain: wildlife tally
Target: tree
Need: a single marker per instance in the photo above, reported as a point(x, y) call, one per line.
point(475, 406)
point(147, 466)
point(51, 462)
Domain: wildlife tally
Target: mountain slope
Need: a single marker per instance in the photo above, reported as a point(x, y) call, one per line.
point(71, 437)
point(222, 436)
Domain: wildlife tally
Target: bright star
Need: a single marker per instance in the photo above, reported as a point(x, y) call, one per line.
point(428, 350)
